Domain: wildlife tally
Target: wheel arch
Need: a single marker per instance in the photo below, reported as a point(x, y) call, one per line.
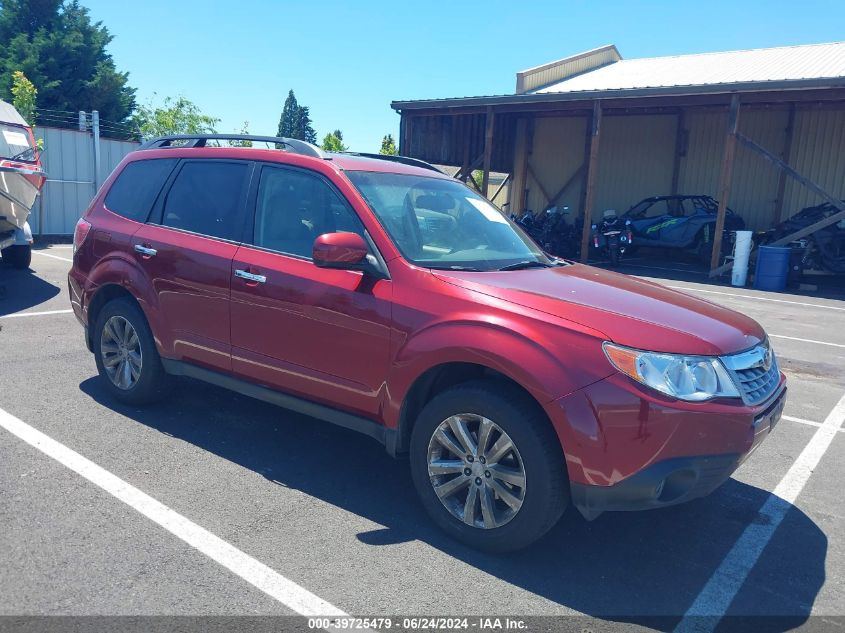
point(441, 377)
point(104, 294)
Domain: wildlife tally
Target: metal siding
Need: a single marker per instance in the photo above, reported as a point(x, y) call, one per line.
point(68, 159)
point(566, 69)
point(558, 150)
point(635, 160)
point(700, 167)
point(755, 180)
point(818, 153)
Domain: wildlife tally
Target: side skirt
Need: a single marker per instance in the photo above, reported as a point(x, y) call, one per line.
point(385, 436)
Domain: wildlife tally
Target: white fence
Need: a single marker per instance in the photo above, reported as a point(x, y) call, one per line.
point(68, 159)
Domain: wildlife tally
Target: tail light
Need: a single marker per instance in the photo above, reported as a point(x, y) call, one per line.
point(80, 233)
point(630, 237)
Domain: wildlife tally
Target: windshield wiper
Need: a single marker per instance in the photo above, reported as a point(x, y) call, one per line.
point(526, 264)
point(460, 268)
point(20, 155)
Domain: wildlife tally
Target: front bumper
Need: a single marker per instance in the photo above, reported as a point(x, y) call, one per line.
point(629, 450)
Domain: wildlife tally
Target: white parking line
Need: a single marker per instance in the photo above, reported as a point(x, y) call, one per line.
point(718, 594)
point(257, 574)
point(28, 314)
point(807, 340)
point(733, 294)
point(64, 259)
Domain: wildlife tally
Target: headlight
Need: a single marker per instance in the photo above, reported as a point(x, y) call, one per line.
point(692, 378)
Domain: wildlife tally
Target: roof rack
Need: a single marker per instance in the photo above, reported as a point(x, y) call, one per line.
point(405, 160)
point(199, 140)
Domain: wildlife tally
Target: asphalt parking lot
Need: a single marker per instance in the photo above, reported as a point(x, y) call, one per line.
point(329, 512)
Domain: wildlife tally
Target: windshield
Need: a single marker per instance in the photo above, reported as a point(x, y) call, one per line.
point(443, 224)
point(14, 143)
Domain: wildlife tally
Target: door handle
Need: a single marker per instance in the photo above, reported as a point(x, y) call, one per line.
point(258, 279)
point(144, 250)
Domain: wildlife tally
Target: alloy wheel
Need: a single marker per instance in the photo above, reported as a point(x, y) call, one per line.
point(120, 349)
point(476, 471)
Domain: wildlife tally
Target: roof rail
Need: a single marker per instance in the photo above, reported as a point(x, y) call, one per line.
point(405, 160)
point(199, 140)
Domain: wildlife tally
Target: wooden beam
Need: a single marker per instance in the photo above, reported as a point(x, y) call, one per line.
point(500, 187)
point(488, 149)
point(594, 133)
point(572, 179)
point(465, 172)
point(680, 150)
point(807, 230)
point(539, 184)
point(725, 181)
point(785, 156)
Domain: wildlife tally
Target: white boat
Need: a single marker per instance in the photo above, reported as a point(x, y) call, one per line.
point(21, 179)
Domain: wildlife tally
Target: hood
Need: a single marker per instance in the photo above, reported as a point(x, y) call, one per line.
point(629, 311)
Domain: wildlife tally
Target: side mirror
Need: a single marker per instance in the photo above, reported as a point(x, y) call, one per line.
point(340, 250)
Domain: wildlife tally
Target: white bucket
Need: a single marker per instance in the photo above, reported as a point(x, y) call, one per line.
point(742, 249)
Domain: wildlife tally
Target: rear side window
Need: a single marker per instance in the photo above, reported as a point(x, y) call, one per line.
point(135, 190)
point(207, 198)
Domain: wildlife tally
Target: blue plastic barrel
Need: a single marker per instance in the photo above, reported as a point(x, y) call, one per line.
point(772, 268)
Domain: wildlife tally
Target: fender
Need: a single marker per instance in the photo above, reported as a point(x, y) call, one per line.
point(23, 236)
point(120, 269)
point(540, 369)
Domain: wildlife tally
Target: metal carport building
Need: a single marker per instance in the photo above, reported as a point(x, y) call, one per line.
point(596, 131)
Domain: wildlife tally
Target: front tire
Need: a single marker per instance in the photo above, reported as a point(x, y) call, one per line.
point(488, 466)
point(126, 355)
point(18, 256)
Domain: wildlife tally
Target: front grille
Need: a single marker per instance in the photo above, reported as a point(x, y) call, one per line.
point(755, 372)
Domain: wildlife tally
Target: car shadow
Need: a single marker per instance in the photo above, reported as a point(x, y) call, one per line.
point(20, 289)
point(643, 568)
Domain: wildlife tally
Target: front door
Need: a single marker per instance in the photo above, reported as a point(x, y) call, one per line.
point(187, 250)
point(317, 333)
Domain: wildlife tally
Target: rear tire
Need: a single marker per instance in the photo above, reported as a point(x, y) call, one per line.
point(614, 257)
point(537, 455)
point(126, 355)
point(18, 256)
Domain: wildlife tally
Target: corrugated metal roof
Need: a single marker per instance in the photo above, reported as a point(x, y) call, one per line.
point(787, 63)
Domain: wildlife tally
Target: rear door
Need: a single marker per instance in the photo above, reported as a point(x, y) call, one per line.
point(187, 249)
point(319, 333)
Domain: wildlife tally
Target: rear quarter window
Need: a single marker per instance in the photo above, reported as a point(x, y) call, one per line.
point(135, 189)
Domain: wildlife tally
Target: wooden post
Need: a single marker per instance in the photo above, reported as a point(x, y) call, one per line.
point(725, 181)
point(785, 157)
point(594, 134)
point(488, 150)
point(680, 150)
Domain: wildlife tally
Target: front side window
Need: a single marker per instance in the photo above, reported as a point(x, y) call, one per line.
point(136, 188)
point(207, 198)
point(294, 208)
point(15, 144)
point(440, 223)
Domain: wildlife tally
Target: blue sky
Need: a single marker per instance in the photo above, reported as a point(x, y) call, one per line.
point(349, 60)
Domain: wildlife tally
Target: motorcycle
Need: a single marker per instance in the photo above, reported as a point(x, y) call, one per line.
point(612, 236)
point(551, 231)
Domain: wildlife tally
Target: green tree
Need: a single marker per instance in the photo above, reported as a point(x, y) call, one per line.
point(388, 146)
point(24, 94)
point(179, 116)
point(295, 121)
point(244, 130)
point(63, 53)
point(333, 142)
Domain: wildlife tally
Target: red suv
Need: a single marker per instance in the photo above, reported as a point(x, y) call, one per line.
point(376, 293)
